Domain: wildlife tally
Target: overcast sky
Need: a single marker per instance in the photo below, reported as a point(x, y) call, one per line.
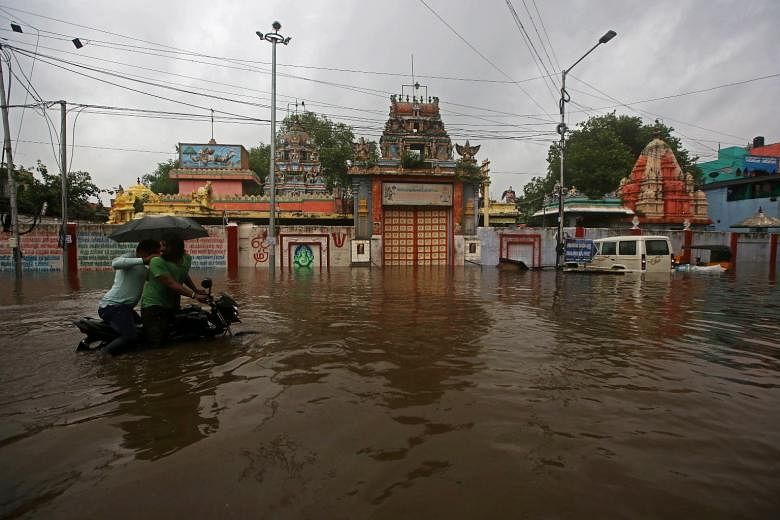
point(347, 56)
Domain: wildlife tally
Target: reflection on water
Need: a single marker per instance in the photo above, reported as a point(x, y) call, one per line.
point(354, 393)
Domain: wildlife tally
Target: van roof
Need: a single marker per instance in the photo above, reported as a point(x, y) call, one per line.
point(632, 237)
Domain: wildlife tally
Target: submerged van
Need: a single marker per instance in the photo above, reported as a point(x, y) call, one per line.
point(632, 253)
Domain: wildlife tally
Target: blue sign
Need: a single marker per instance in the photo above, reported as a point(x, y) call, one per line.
point(580, 250)
point(767, 164)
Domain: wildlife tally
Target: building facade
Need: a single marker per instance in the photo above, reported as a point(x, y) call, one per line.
point(742, 181)
point(415, 204)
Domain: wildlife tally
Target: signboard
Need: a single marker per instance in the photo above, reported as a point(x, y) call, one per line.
point(580, 250)
point(416, 194)
point(767, 164)
point(209, 156)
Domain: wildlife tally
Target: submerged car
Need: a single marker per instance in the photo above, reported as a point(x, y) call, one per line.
point(629, 253)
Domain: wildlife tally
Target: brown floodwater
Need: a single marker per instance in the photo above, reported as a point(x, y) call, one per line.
point(356, 393)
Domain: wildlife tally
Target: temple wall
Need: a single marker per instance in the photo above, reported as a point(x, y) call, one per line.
point(95, 251)
point(331, 246)
point(535, 247)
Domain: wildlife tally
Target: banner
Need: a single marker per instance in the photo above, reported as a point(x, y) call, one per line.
point(767, 164)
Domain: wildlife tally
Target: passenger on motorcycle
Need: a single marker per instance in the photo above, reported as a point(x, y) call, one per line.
point(169, 280)
point(116, 307)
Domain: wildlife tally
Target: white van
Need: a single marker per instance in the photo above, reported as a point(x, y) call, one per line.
point(632, 253)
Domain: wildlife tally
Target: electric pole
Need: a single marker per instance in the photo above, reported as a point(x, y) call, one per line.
point(64, 168)
point(14, 240)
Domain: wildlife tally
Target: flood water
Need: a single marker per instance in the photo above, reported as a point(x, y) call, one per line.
point(356, 393)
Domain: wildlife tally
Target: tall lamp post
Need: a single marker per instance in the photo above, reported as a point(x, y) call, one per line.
point(560, 247)
point(274, 38)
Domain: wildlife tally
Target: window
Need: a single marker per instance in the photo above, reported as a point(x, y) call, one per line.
point(627, 248)
point(608, 248)
point(657, 247)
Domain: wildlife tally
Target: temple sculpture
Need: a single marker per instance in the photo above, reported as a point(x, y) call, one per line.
point(659, 192)
point(415, 204)
point(298, 164)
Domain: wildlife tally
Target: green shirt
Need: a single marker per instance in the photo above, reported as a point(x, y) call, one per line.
point(157, 293)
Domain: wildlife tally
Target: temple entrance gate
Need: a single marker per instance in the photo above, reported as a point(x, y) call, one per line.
point(416, 236)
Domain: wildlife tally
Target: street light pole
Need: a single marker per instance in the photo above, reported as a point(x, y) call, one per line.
point(560, 244)
point(274, 38)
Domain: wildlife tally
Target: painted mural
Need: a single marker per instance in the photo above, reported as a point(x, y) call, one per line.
point(209, 156)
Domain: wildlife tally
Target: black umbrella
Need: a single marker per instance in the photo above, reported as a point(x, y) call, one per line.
point(158, 228)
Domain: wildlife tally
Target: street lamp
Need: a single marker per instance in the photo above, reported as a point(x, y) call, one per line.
point(274, 38)
point(559, 248)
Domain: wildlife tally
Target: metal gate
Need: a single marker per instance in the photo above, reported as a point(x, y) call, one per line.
point(415, 236)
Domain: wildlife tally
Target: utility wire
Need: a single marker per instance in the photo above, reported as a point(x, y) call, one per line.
point(488, 60)
point(537, 59)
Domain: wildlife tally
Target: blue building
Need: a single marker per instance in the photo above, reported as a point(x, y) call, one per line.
point(740, 181)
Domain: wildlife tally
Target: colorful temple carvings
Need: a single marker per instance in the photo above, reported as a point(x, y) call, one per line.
point(298, 165)
point(414, 204)
point(659, 192)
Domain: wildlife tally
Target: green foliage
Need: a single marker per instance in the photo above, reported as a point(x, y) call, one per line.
point(259, 162)
point(37, 186)
point(468, 170)
point(599, 153)
point(412, 161)
point(533, 195)
point(334, 143)
point(159, 181)
point(603, 150)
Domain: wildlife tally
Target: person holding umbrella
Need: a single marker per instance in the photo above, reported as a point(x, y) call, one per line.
point(116, 307)
point(169, 280)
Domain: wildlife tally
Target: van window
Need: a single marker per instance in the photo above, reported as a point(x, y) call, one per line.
point(627, 248)
point(608, 248)
point(657, 247)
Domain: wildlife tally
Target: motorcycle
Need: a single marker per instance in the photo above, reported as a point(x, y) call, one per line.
point(190, 323)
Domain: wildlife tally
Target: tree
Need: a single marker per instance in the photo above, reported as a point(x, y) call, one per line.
point(533, 196)
point(334, 143)
point(259, 159)
point(37, 186)
point(159, 181)
point(603, 150)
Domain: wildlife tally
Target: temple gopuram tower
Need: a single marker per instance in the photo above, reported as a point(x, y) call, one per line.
point(414, 204)
point(659, 192)
point(297, 165)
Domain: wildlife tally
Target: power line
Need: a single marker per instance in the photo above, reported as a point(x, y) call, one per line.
point(537, 59)
point(488, 60)
point(104, 147)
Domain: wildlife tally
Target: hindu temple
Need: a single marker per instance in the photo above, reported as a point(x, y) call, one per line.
point(298, 165)
point(415, 204)
point(659, 192)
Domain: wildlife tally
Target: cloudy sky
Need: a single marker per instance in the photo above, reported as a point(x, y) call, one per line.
point(706, 67)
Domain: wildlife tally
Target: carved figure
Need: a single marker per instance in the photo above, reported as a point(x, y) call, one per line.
point(467, 151)
point(202, 196)
point(509, 195)
point(362, 150)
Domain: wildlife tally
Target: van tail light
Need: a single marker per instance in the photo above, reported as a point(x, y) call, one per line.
point(644, 262)
point(674, 262)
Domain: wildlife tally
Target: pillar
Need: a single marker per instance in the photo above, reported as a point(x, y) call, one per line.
point(772, 255)
point(232, 248)
point(73, 254)
point(687, 243)
point(734, 242)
